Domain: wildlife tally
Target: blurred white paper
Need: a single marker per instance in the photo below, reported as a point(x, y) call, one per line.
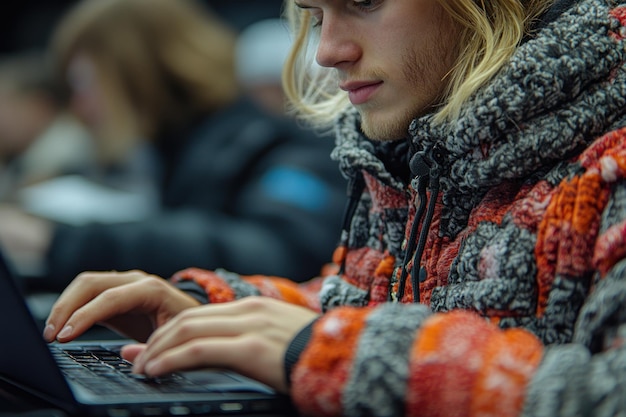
point(75, 200)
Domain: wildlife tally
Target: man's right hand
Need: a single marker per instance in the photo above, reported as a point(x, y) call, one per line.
point(132, 303)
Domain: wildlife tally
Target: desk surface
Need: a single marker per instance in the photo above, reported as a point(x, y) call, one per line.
point(16, 404)
point(13, 404)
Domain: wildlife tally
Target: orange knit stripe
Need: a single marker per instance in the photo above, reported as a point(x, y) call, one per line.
point(216, 288)
point(379, 287)
point(567, 234)
point(324, 366)
point(462, 366)
point(385, 267)
point(620, 158)
point(278, 287)
point(548, 243)
point(587, 204)
point(511, 358)
point(339, 255)
point(446, 359)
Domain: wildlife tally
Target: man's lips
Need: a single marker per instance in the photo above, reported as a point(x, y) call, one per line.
point(360, 92)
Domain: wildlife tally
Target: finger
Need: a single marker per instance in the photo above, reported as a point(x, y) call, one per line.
point(84, 288)
point(198, 353)
point(253, 315)
point(231, 309)
point(109, 303)
point(131, 351)
point(195, 327)
point(253, 357)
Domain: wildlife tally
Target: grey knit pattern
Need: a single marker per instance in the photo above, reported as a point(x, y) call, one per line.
point(355, 152)
point(559, 91)
point(381, 357)
point(508, 286)
point(239, 287)
point(572, 383)
point(605, 306)
point(336, 292)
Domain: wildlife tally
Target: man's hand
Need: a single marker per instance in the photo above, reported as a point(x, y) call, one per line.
point(131, 303)
point(249, 336)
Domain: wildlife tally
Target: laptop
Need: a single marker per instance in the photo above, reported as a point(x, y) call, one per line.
point(88, 378)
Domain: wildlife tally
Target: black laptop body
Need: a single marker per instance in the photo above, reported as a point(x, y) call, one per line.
point(40, 369)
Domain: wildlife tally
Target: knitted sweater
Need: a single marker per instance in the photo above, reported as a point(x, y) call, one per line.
point(510, 232)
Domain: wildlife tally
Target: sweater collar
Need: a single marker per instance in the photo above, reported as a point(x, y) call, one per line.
point(560, 90)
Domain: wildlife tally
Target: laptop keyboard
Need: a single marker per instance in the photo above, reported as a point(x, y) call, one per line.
point(102, 370)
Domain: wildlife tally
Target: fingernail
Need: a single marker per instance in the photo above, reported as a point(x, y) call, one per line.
point(48, 332)
point(66, 332)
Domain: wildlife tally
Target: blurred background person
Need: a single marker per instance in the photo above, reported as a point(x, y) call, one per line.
point(260, 53)
point(27, 24)
point(39, 140)
point(238, 188)
point(48, 160)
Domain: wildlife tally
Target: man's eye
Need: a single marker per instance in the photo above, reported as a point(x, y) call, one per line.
point(367, 5)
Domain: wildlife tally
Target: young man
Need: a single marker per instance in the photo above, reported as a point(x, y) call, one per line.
point(482, 268)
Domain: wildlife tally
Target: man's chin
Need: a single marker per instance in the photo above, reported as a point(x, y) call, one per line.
point(384, 131)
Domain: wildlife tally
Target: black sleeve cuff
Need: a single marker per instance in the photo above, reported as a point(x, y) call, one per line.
point(193, 289)
point(295, 348)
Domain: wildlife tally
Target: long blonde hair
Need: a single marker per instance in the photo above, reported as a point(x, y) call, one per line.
point(491, 30)
point(168, 60)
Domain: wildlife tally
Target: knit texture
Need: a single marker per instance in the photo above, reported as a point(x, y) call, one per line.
point(522, 306)
point(529, 226)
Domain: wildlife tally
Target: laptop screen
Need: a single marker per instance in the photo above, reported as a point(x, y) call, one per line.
point(24, 355)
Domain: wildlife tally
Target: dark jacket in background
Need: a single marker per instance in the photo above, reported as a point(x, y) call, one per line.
point(243, 191)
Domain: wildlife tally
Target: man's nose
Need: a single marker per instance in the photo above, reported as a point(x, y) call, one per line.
point(337, 44)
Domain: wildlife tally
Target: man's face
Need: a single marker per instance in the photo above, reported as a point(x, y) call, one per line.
point(391, 57)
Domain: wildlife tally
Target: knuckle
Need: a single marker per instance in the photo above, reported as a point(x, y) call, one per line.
point(84, 277)
point(111, 294)
point(252, 346)
point(255, 302)
point(57, 310)
point(135, 273)
point(184, 315)
point(184, 330)
point(196, 348)
point(153, 284)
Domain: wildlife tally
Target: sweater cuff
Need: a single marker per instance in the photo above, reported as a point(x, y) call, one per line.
point(193, 289)
point(295, 348)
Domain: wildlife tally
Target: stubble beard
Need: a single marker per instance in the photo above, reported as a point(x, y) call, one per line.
point(419, 74)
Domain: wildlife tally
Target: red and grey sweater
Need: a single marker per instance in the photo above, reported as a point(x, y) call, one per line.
point(505, 293)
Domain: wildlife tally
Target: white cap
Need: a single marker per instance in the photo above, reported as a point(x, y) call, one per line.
point(261, 51)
